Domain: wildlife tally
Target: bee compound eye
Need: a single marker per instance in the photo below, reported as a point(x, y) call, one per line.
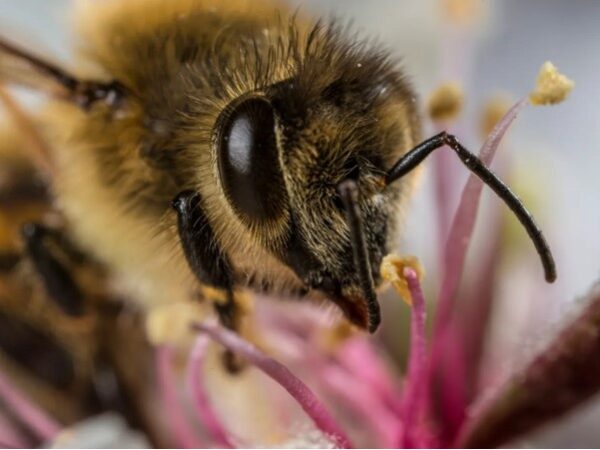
point(248, 160)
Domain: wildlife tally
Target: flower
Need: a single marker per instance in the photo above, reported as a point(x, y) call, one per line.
point(436, 403)
point(349, 391)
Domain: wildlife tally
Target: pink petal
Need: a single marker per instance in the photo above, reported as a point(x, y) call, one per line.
point(364, 405)
point(206, 414)
point(359, 358)
point(297, 389)
point(33, 417)
point(178, 421)
point(559, 379)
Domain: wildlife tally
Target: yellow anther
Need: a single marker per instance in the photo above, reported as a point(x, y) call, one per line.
point(551, 86)
point(446, 102)
point(392, 270)
point(171, 323)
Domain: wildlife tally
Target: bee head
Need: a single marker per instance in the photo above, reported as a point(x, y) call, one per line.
point(286, 152)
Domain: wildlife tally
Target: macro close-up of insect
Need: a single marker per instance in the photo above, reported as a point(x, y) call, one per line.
point(192, 159)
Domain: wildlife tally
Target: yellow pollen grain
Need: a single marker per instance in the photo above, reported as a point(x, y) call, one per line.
point(493, 111)
point(551, 86)
point(171, 323)
point(213, 294)
point(462, 12)
point(244, 302)
point(392, 271)
point(331, 338)
point(446, 102)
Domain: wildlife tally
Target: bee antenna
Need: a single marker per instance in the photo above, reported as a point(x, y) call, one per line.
point(348, 191)
point(82, 92)
point(414, 157)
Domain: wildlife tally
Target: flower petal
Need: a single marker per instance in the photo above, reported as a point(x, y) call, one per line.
point(556, 381)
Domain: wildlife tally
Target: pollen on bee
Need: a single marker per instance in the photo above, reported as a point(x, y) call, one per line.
point(446, 102)
point(243, 300)
point(392, 270)
point(551, 86)
point(170, 324)
point(216, 295)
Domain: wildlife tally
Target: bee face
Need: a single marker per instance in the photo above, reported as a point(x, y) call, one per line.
point(283, 152)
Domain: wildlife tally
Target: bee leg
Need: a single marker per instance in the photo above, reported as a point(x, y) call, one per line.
point(208, 263)
point(57, 280)
point(230, 317)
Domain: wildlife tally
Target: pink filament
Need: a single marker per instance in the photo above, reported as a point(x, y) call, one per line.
point(178, 420)
point(362, 401)
point(201, 403)
point(464, 219)
point(445, 194)
point(281, 374)
point(452, 379)
point(446, 340)
point(34, 418)
point(414, 389)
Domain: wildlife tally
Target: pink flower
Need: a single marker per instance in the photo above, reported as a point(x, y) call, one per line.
point(347, 390)
point(442, 400)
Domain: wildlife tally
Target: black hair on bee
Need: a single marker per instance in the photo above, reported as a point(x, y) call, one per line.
point(283, 144)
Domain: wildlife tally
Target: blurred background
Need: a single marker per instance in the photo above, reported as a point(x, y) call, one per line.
point(550, 157)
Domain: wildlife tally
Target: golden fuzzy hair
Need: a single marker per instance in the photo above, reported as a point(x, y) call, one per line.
point(182, 62)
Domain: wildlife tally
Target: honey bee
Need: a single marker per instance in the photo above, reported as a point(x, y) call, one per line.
point(198, 148)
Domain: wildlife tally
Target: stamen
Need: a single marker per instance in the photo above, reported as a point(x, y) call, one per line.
point(478, 167)
point(551, 86)
point(446, 102)
point(183, 433)
point(34, 418)
point(282, 375)
point(417, 364)
point(10, 436)
point(392, 270)
point(463, 223)
point(201, 403)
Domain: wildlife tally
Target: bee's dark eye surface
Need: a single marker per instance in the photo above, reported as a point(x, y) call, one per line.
point(248, 160)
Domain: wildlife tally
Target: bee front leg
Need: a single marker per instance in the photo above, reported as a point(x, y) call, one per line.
point(208, 262)
point(55, 276)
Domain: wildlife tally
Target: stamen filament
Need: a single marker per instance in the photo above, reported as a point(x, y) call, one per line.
point(282, 375)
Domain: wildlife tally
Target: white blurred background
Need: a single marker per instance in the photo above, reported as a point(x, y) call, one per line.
point(558, 147)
